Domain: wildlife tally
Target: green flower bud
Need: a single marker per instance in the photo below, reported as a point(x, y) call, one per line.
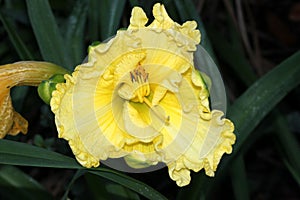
point(46, 87)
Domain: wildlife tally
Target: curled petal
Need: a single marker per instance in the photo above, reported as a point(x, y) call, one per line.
point(30, 73)
point(11, 122)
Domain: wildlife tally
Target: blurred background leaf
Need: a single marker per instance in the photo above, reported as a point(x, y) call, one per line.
point(15, 38)
point(110, 12)
point(49, 38)
point(15, 184)
point(104, 189)
point(75, 30)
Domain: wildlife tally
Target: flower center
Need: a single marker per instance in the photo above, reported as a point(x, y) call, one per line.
point(141, 86)
point(139, 78)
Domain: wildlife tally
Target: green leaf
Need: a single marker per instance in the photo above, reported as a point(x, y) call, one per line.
point(239, 179)
point(94, 20)
point(134, 3)
point(137, 186)
point(96, 186)
point(233, 55)
point(3, 48)
point(15, 184)
point(15, 38)
point(251, 107)
point(16, 153)
point(292, 169)
point(110, 16)
point(75, 32)
point(77, 175)
point(103, 189)
point(288, 146)
point(46, 31)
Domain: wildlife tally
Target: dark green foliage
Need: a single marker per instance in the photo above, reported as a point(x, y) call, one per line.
point(265, 110)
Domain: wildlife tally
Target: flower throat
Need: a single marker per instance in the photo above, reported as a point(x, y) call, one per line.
point(139, 78)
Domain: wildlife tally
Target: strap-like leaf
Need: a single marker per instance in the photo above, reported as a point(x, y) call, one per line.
point(110, 16)
point(15, 184)
point(75, 32)
point(47, 33)
point(16, 153)
point(15, 38)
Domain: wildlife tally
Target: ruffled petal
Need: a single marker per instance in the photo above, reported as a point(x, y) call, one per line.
point(65, 122)
point(185, 35)
point(161, 18)
point(214, 138)
point(179, 173)
point(138, 18)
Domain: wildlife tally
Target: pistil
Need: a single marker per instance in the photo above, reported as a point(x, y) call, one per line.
point(157, 112)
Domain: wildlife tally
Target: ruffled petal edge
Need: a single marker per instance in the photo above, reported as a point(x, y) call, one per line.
point(179, 170)
point(82, 155)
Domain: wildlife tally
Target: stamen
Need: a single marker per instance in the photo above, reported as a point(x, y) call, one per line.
point(132, 77)
point(139, 75)
point(139, 78)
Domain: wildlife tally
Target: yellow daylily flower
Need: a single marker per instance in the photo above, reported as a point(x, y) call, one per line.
point(140, 97)
point(29, 73)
